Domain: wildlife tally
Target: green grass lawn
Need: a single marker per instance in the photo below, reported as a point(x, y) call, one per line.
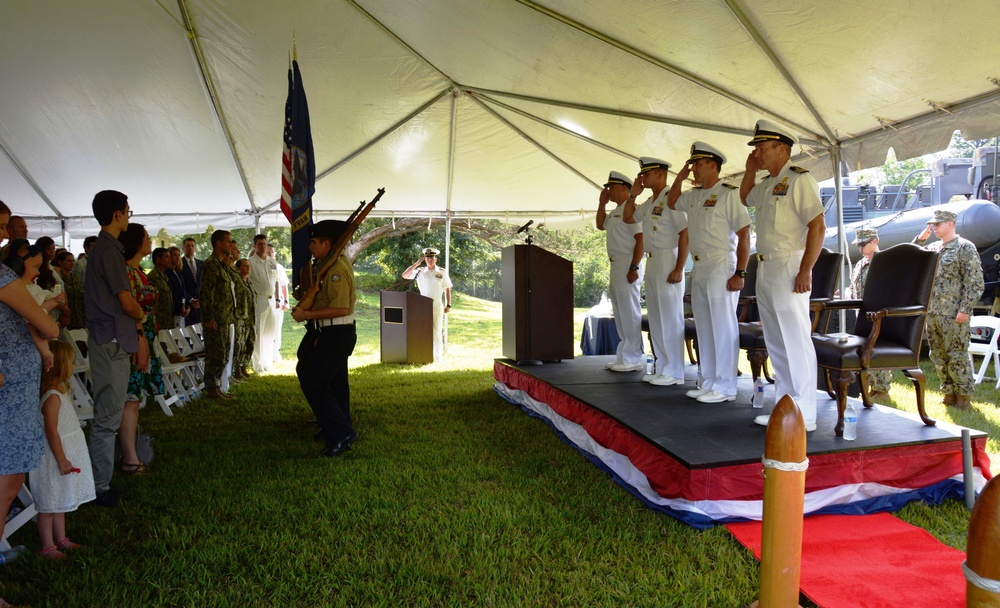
point(452, 497)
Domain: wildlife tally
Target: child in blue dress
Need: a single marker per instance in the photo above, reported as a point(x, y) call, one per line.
point(64, 480)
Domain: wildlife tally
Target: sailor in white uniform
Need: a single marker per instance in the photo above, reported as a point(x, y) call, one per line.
point(433, 282)
point(665, 241)
point(624, 242)
point(719, 227)
point(790, 230)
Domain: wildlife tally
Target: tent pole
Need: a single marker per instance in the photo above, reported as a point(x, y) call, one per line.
point(836, 156)
point(452, 136)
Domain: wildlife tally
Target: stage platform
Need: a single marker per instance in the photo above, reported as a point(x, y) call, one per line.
point(701, 462)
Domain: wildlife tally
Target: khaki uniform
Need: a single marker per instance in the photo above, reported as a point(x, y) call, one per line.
point(164, 311)
point(881, 380)
point(218, 303)
point(958, 285)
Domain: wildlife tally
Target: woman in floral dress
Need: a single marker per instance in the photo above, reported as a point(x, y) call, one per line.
point(141, 382)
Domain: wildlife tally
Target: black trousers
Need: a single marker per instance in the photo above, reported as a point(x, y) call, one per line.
point(322, 372)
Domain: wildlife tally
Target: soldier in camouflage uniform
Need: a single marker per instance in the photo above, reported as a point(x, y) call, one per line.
point(958, 285)
point(165, 303)
point(246, 333)
point(217, 312)
point(73, 286)
point(867, 241)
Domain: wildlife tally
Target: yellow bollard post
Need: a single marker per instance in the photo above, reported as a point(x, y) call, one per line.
point(982, 558)
point(785, 466)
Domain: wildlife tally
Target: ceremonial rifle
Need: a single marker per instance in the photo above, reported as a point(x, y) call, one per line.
point(305, 280)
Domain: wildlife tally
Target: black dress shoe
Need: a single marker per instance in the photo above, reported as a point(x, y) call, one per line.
point(334, 449)
point(319, 435)
point(108, 498)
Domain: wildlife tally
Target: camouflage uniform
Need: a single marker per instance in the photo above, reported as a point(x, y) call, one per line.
point(879, 380)
point(164, 311)
point(73, 287)
point(246, 333)
point(958, 284)
point(217, 304)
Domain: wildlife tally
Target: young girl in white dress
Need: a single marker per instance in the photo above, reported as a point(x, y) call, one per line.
point(64, 480)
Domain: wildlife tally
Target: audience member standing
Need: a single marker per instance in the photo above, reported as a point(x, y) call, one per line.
point(191, 272)
point(280, 302)
point(17, 228)
point(263, 271)
point(665, 241)
point(218, 301)
point(958, 285)
point(21, 367)
point(114, 326)
point(73, 287)
point(790, 230)
point(624, 244)
point(179, 296)
point(157, 277)
point(80, 270)
point(720, 245)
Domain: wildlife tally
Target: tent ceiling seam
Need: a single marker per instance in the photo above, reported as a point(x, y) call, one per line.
point(213, 95)
point(529, 139)
point(628, 114)
point(554, 126)
point(663, 65)
point(762, 44)
point(372, 141)
point(31, 182)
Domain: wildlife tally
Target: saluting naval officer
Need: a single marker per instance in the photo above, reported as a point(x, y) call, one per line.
point(665, 241)
point(433, 282)
point(719, 226)
point(958, 285)
point(880, 381)
point(790, 230)
point(329, 341)
point(624, 243)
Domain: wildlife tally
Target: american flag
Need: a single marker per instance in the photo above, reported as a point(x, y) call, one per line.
point(298, 170)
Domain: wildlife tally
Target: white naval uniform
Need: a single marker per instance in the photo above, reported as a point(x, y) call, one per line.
point(281, 278)
point(433, 283)
point(262, 278)
point(714, 215)
point(785, 205)
point(661, 228)
point(624, 295)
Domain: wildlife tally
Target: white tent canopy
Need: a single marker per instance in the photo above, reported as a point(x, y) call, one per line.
point(511, 109)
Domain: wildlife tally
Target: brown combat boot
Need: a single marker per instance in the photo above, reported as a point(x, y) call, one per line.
point(216, 395)
point(949, 399)
point(962, 402)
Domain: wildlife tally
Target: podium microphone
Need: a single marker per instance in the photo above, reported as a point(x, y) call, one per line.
point(525, 227)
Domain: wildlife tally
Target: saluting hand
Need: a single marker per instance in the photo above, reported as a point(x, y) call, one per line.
point(754, 163)
point(605, 196)
point(637, 186)
point(684, 172)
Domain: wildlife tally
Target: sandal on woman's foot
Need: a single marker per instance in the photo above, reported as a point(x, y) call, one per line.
point(52, 552)
point(67, 545)
point(132, 469)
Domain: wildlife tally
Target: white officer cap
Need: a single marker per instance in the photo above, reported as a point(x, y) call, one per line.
point(648, 163)
point(430, 251)
point(700, 149)
point(618, 178)
point(765, 130)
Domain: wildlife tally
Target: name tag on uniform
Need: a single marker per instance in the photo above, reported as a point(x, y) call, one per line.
point(781, 188)
point(711, 201)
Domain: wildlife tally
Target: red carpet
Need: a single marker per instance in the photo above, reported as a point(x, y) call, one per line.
point(871, 561)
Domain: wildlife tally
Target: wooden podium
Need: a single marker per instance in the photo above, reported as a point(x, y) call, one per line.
point(406, 327)
point(537, 304)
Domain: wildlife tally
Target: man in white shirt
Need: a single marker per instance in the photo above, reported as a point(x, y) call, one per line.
point(433, 282)
point(665, 241)
point(790, 231)
point(280, 301)
point(624, 243)
point(720, 245)
point(263, 271)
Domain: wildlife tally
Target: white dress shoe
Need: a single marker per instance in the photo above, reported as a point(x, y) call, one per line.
point(713, 396)
point(697, 392)
point(610, 365)
point(627, 367)
point(763, 420)
point(651, 377)
point(666, 381)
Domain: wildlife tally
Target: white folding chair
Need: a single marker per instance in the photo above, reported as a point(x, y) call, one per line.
point(985, 332)
point(26, 514)
point(178, 378)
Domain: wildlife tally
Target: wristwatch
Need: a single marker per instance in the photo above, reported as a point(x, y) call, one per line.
point(633, 267)
point(741, 274)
